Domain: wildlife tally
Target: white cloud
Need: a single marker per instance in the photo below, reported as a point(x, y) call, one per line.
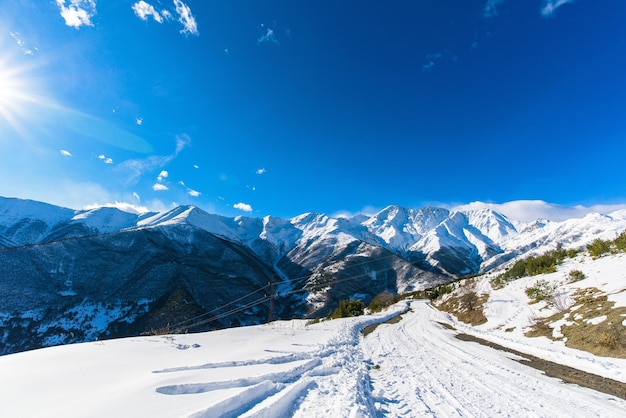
point(190, 191)
point(66, 153)
point(105, 159)
point(78, 12)
point(135, 168)
point(531, 210)
point(139, 121)
point(159, 187)
point(260, 171)
point(162, 175)
point(185, 17)
point(143, 10)
point(550, 6)
point(123, 206)
point(21, 43)
point(490, 8)
point(268, 37)
point(243, 206)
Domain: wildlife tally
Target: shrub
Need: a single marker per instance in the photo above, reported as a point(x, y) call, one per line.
point(598, 247)
point(442, 289)
point(541, 290)
point(381, 301)
point(572, 252)
point(532, 266)
point(620, 241)
point(348, 308)
point(575, 276)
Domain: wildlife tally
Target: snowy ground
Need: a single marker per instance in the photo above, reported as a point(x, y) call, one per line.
point(415, 367)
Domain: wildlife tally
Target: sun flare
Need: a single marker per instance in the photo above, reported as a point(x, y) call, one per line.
point(17, 88)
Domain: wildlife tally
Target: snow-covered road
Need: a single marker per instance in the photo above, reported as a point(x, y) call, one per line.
point(412, 368)
point(419, 368)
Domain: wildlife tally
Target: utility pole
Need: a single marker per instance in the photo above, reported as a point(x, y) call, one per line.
point(270, 316)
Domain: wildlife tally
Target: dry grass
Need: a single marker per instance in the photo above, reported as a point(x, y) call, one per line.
point(466, 305)
point(603, 338)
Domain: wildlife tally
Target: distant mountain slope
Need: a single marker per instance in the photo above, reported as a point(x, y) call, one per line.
point(119, 273)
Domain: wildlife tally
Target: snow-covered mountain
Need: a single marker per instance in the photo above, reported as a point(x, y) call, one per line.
point(73, 275)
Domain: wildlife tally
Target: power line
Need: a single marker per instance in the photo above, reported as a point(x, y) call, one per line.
point(265, 298)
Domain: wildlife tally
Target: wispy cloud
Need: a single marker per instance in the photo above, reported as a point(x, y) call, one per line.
point(432, 60)
point(243, 206)
point(22, 43)
point(66, 153)
point(190, 191)
point(78, 12)
point(186, 18)
point(550, 6)
point(134, 169)
point(268, 37)
point(260, 171)
point(182, 142)
point(159, 187)
point(144, 10)
point(490, 8)
point(531, 210)
point(105, 159)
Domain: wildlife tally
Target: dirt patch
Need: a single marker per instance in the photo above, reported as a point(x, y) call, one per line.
point(370, 328)
point(447, 326)
point(593, 324)
point(467, 307)
point(565, 373)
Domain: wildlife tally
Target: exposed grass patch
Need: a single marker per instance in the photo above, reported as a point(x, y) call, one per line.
point(593, 325)
point(466, 306)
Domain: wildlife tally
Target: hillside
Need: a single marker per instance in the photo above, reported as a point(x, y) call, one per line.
point(414, 366)
point(69, 276)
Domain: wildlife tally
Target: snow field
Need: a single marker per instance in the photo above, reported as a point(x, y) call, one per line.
point(257, 371)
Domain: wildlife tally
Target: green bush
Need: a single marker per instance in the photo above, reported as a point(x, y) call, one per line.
point(434, 292)
point(599, 247)
point(576, 276)
point(348, 308)
point(542, 290)
point(381, 301)
point(532, 266)
point(620, 242)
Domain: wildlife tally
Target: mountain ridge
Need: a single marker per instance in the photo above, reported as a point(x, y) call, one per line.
point(116, 265)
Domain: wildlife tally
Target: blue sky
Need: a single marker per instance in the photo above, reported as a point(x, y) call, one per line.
point(264, 107)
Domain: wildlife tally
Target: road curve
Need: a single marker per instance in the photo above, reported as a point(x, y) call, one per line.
point(419, 368)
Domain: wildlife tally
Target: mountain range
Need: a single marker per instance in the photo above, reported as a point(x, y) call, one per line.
point(79, 275)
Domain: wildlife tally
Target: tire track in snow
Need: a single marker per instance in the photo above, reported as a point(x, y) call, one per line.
point(419, 367)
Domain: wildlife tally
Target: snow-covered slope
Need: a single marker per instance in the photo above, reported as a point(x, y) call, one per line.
point(412, 368)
